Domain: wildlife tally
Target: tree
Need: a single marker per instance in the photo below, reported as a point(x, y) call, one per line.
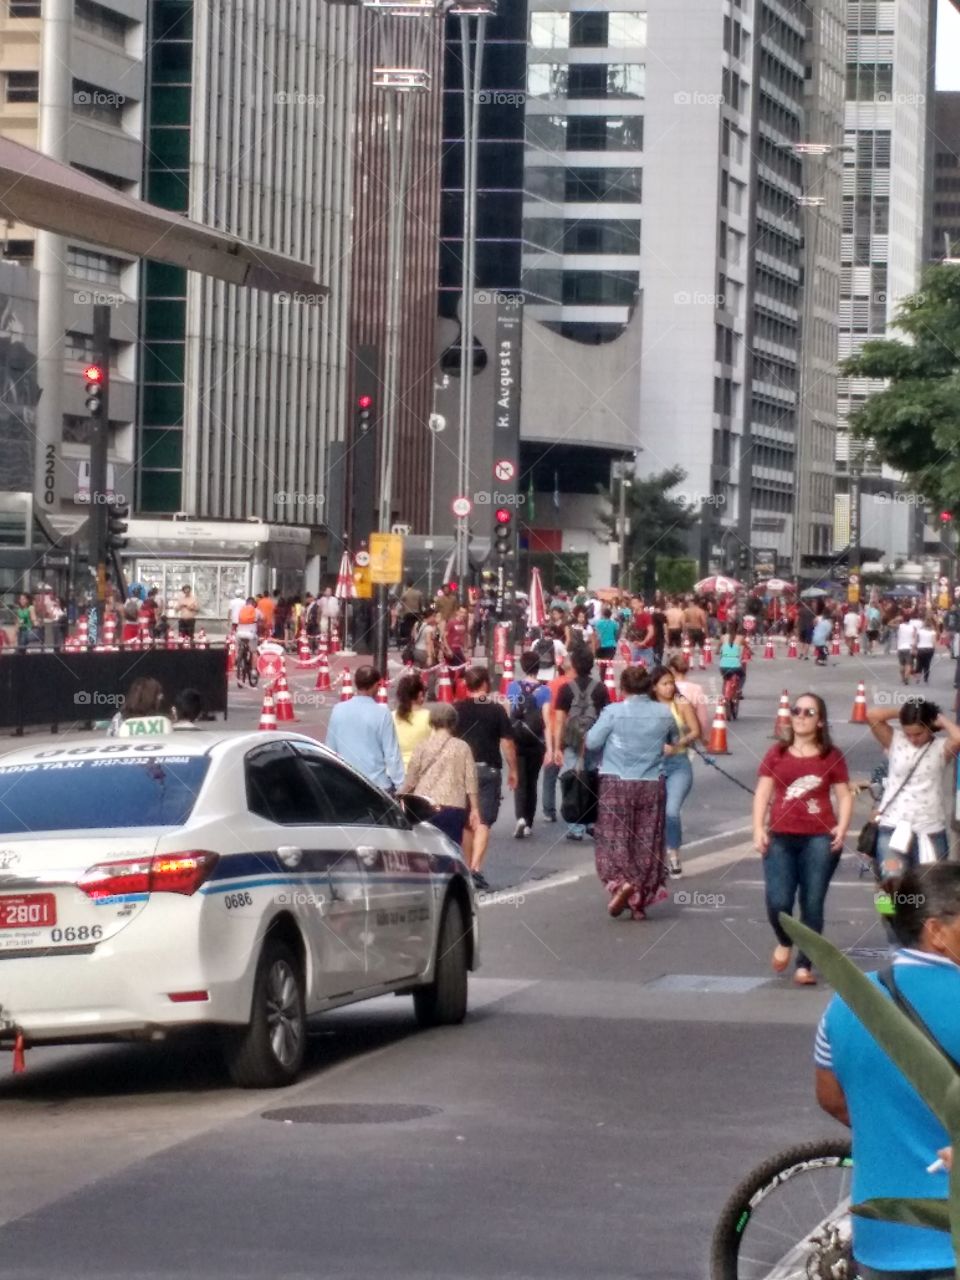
point(914, 423)
point(656, 521)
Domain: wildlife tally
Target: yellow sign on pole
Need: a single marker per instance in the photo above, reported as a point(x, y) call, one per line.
point(386, 558)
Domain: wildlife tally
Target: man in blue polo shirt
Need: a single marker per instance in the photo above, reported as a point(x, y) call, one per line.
point(896, 1136)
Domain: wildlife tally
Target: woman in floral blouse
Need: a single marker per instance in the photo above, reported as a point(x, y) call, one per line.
point(442, 769)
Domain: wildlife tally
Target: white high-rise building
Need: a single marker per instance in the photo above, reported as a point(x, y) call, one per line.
point(667, 239)
point(889, 105)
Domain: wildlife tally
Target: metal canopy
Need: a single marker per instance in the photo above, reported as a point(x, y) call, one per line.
point(54, 196)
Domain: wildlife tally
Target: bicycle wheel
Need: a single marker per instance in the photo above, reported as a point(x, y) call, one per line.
point(789, 1219)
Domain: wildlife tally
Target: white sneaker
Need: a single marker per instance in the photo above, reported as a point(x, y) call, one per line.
point(520, 830)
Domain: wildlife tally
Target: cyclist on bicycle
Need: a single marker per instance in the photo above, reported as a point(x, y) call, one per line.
point(731, 658)
point(249, 620)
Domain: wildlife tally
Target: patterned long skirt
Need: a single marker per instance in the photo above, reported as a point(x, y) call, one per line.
point(629, 840)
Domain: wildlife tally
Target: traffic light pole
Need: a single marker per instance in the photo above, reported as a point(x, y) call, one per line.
point(98, 453)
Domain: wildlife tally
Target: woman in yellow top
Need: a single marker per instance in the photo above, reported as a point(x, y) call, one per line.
point(411, 718)
point(677, 767)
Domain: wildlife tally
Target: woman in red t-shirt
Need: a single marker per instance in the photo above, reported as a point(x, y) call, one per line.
point(802, 843)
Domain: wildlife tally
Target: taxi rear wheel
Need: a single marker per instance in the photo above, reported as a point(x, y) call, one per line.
point(268, 1051)
point(443, 1002)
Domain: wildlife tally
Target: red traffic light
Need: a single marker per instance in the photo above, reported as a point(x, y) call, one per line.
point(946, 517)
point(364, 402)
point(503, 516)
point(93, 373)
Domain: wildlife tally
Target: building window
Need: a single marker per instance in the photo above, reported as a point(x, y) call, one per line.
point(588, 30)
point(99, 21)
point(605, 133)
point(626, 30)
point(587, 186)
point(601, 237)
point(95, 103)
point(24, 8)
point(89, 265)
point(22, 86)
point(549, 30)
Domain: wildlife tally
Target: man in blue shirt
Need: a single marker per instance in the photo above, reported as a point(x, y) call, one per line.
point(896, 1137)
point(362, 732)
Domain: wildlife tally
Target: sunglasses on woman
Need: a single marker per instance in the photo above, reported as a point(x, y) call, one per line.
point(803, 711)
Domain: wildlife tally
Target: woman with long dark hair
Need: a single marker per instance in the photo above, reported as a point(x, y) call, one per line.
point(635, 736)
point(677, 767)
point(910, 814)
point(802, 842)
point(411, 718)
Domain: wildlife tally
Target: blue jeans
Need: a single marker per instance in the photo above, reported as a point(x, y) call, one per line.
point(548, 801)
point(907, 861)
point(679, 773)
point(591, 760)
point(798, 863)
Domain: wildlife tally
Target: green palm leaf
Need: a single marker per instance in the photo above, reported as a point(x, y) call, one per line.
point(911, 1213)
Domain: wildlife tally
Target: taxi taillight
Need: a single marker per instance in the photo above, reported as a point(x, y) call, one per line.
point(164, 873)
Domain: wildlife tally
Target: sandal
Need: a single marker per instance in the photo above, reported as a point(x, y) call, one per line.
point(619, 900)
point(780, 958)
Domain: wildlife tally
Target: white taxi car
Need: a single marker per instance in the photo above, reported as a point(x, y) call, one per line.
point(244, 880)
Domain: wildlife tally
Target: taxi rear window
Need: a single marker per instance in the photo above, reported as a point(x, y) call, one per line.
point(84, 795)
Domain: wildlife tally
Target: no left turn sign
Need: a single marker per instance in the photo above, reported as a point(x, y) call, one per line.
point(504, 469)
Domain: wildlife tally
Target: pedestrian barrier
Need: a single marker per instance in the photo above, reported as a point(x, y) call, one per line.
point(70, 687)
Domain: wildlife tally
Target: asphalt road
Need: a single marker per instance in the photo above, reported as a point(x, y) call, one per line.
point(610, 1085)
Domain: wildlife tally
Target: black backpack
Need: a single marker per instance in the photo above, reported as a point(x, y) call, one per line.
point(546, 652)
point(582, 714)
point(526, 717)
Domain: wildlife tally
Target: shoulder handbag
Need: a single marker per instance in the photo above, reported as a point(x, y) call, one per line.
point(870, 831)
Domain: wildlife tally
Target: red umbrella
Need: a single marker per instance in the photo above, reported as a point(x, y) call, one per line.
point(538, 608)
point(346, 588)
point(776, 587)
point(718, 585)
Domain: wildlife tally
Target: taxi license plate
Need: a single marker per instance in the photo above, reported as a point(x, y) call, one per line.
point(28, 911)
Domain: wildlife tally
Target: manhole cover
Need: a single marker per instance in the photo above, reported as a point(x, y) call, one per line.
point(352, 1113)
point(704, 982)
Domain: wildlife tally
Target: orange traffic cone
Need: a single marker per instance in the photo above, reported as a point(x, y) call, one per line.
point(109, 631)
point(382, 696)
point(444, 686)
point(835, 643)
point(171, 639)
point(201, 639)
point(507, 678)
point(146, 639)
point(460, 689)
point(768, 649)
point(323, 674)
point(83, 634)
point(335, 639)
point(708, 652)
point(303, 648)
point(717, 746)
point(284, 700)
point(859, 713)
point(610, 683)
point(856, 645)
point(687, 651)
point(231, 655)
point(268, 713)
point(346, 686)
point(701, 660)
point(781, 723)
point(792, 647)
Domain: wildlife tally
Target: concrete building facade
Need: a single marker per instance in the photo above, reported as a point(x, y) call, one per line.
point(887, 138)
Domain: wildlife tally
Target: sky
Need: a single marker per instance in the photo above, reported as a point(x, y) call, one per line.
point(948, 46)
